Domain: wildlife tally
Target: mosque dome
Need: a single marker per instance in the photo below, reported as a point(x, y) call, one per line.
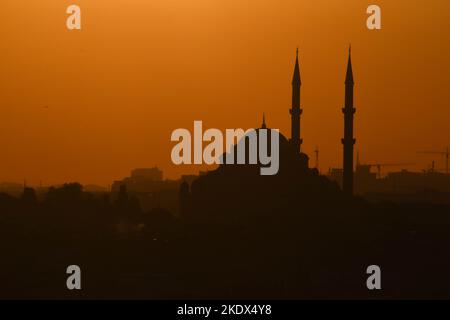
point(258, 142)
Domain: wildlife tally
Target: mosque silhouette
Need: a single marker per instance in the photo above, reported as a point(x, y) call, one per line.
point(240, 190)
point(285, 235)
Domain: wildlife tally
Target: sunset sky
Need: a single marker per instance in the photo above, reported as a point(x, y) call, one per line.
point(91, 105)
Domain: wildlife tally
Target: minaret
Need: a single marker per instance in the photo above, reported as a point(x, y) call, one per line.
point(348, 140)
point(296, 111)
point(263, 126)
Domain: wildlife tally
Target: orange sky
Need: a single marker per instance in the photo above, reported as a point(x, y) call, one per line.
point(139, 69)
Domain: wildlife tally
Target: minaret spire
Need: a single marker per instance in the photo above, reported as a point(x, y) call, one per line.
point(296, 77)
point(296, 111)
point(263, 126)
point(349, 75)
point(348, 141)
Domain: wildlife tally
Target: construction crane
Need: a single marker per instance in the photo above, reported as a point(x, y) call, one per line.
point(381, 165)
point(442, 153)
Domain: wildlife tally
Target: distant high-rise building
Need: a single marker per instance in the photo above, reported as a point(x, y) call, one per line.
point(296, 111)
point(348, 141)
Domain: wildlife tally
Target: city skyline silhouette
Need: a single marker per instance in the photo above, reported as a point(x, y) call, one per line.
point(369, 183)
